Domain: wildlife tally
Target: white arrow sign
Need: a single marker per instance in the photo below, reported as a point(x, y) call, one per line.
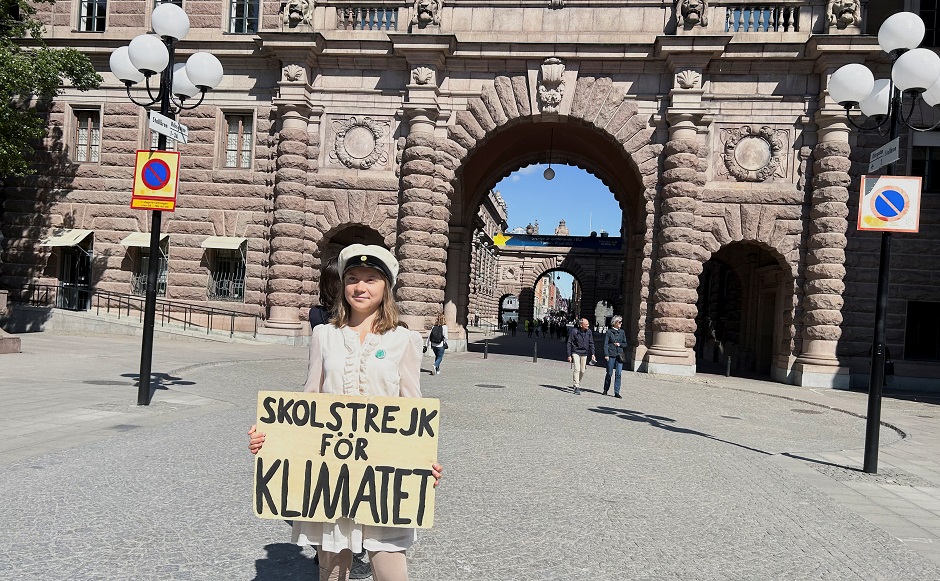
point(169, 127)
point(887, 153)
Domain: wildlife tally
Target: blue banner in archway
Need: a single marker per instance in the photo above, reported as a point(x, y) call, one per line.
point(590, 242)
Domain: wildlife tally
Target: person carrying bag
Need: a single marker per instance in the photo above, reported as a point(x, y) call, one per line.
point(437, 340)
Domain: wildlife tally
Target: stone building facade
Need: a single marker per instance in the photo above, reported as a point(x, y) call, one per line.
point(391, 122)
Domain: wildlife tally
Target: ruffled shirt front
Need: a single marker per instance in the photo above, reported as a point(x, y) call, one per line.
point(382, 365)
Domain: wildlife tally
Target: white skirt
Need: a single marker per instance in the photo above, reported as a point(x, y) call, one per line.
point(346, 534)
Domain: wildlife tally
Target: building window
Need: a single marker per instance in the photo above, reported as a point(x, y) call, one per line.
point(86, 143)
point(243, 17)
point(227, 275)
point(922, 338)
point(238, 138)
point(91, 14)
point(177, 2)
point(142, 270)
point(925, 162)
point(929, 13)
point(154, 140)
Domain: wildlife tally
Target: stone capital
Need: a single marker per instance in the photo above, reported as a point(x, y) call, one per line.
point(422, 117)
point(686, 123)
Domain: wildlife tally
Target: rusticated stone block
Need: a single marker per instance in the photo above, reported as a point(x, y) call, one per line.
point(679, 203)
point(830, 225)
point(825, 286)
point(832, 148)
point(418, 308)
point(425, 224)
point(418, 180)
point(682, 160)
point(426, 295)
point(681, 189)
point(412, 208)
point(284, 285)
point(826, 256)
point(822, 317)
point(479, 112)
point(829, 209)
point(826, 240)
point(459, 135)
point(678, 220)
point(676, 310)
point(679, 250)
point(583, 90)
point(684, 265)
point(284, 299)
point(493, 106)
point(676, 295)
point(676, 280)
point(466, 120)
point(831, 178)
point(507, 98)
point(416, 266)
point(673, 235)
point(286, 271)
point(674, 325)
point(836, 271)
point(420, 195)
point(409, 279)
point(291, 147)
point(829, 302)
point(418, 152)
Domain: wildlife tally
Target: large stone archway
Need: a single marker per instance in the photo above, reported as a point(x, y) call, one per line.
point(445, 177)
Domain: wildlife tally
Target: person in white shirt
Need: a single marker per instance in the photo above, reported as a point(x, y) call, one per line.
point(364, 350)
point(437, 339)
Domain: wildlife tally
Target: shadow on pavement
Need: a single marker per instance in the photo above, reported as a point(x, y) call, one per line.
point(663, 422)
point(285, 561)
point(823, 462)
point(160, 380)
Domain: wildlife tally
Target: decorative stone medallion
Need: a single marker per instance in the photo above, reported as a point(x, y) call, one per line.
point(509, 273)
point(607, 278)
point(358, 143)
point(754, 157)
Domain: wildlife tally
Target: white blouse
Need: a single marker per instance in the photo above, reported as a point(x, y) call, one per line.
point(382, 365)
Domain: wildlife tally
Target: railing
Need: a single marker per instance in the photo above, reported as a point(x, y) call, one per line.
point(226, 287)
point(123, 305)
point(366, 18)
point(762, 18)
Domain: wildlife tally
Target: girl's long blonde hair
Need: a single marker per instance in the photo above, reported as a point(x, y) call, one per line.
point(386, 319)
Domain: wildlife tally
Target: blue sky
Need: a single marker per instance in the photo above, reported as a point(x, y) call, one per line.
point(575, 196)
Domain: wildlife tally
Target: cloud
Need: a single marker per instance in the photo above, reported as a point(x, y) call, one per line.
point(514, 178)
point(529, 169)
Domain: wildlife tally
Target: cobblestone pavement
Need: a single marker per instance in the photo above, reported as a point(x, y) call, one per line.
point(701, 479)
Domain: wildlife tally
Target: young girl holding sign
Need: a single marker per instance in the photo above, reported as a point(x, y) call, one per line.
point(365, 351)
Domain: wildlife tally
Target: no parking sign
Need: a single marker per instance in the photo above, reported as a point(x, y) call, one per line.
point(155, 178)
point(889, 204)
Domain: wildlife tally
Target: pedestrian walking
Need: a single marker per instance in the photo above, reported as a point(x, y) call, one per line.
point(512, 326)
point(528, 327)
point(615, 341)
point(329, 289)
point(437, 340)
point(580, 349)
point(365, 350)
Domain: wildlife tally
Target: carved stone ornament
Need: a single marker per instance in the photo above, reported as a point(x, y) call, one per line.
point(754, 157)
point(551, 87)
point(358, 143)
point(690, 13)
point(556, 4)
point(509, 273)
point(427, 12)
point(688, 79)
point(422, 75)
point(843, 13)
point(297, 12)
point(293, 73)
point(607, 278)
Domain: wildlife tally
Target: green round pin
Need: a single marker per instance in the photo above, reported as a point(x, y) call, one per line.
point(380, 354)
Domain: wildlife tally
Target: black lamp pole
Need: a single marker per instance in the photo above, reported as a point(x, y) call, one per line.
point(153, 265)
point(877, 372)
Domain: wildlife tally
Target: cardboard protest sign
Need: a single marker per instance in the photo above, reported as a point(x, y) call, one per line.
point(331, 456)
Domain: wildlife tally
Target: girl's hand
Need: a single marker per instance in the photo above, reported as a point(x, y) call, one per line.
point(255, 439)
point(437, 471)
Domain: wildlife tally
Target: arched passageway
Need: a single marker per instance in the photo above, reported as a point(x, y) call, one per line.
point(741, 312)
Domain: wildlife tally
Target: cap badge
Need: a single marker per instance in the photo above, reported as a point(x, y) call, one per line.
point(363, 258)
point(380, 354)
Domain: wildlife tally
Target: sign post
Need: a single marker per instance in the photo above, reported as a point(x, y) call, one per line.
point(887, 153)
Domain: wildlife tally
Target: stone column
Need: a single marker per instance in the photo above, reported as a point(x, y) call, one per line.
point(680, 253)
point(817, 365)
point(423, 225)
point(285, 273)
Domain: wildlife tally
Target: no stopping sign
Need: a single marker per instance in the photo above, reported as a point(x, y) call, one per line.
point(889, 204)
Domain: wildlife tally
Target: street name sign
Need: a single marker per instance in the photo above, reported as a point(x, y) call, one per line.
point(169, 127)
point(887, 153)
point(156, 175)
point(889, 204)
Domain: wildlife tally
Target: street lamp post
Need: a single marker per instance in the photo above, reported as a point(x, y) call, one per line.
point(915, 72)
point(145, 56)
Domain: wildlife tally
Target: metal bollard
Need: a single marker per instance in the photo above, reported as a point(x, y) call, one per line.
point(486, 348)
point(728, 367)
point(535, 353)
